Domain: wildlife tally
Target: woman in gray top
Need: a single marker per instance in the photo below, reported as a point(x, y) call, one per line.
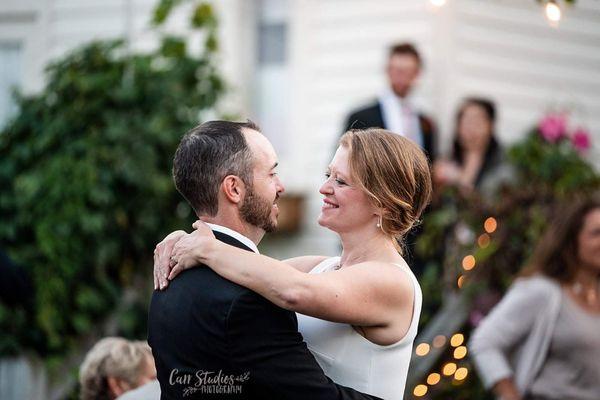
point(542, 340)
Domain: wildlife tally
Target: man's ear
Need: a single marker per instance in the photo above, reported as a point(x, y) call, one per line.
point(117, 386)
point(233, 188)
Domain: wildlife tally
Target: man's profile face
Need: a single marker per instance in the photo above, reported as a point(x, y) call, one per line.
point(259, 206)
point(402, 71)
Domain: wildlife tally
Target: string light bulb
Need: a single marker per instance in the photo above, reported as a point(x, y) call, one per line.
point(449, 369)
point(438, 3)
point(457, 339)
point(490, 225)
point(461, 374)
point(460, 352)
point(439, 341)
point(420, 390)
point(422, 349)
point(553, 12)
point(483, 240)
point(433, 378)
point(468, 263)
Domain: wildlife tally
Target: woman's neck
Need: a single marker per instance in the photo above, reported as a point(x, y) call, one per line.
point(586, 287)
point(587, 278)
point(358, 247)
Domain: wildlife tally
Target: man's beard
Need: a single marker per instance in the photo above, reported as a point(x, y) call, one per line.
point(256, 211)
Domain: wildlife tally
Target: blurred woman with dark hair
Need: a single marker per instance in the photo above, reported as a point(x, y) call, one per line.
point(476, 161)
point(541, 341)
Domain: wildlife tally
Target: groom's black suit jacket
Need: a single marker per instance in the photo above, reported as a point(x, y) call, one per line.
point(204, 325)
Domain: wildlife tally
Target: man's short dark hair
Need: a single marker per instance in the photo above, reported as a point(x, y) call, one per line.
point(406, 49)
point(205, 156)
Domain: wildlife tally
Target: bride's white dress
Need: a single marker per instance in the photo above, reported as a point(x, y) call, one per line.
point(350, 359)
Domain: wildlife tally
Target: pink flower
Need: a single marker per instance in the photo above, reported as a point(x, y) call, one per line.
point(553, 127)
point(581, 140)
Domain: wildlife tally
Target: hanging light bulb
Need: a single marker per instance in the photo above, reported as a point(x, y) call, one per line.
point(553, 12)
point(438, 3)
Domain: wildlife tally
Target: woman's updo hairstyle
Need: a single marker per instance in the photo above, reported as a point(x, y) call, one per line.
point(394, 172)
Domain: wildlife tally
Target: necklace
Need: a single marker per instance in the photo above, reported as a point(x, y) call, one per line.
point(590, 295)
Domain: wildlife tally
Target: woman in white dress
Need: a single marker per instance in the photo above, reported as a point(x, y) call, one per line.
point(358, 312)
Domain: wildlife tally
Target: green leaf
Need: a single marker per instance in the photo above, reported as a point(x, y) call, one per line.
point(173, 47)
point(163, 10)
point(203, 16)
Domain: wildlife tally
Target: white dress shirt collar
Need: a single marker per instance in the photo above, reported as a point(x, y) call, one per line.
point(395, 120)
point(391, 106)
point(235, 235)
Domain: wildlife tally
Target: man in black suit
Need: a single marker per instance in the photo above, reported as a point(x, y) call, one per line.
point(210, 337)
point(392, 110)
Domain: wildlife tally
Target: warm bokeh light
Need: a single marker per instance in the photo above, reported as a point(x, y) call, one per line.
point(461, 374)
point(483, 240)
point(468, 263)
point(457, 339)
point(460, 282)
point(460, 352)
point(433, 378)
point(420, 390)
point(422, 349)
point(439, 341)
point(438, 3)
point(449, 369)
point(553, 12)
point(490, 225)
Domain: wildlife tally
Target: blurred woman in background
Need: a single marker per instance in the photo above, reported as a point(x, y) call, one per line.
point(542, 340)
point(476, 161)
point(119, 368)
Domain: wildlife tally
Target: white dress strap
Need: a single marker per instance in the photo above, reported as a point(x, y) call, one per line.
point(417, 304)
point(328, 264)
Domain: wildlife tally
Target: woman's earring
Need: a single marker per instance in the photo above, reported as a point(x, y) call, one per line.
point(379, 223)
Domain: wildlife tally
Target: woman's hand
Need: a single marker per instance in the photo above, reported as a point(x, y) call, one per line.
point(446, 172)
point(506, 389)
point(162, 254)
point(191, 249)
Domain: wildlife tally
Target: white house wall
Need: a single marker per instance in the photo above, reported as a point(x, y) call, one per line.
point(502, 49)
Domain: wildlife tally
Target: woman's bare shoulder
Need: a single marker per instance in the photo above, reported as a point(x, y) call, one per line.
point(396, 276)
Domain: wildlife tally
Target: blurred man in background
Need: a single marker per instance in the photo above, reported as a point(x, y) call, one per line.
point(393, 110)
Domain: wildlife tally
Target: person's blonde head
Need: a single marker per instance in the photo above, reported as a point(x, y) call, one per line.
point(394, 173)
point(111, 361)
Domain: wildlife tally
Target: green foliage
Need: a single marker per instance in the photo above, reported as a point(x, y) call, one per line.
point(86, 185)
point(555, 167)
point(163, 9)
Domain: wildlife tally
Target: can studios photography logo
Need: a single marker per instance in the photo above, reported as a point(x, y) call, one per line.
point(208, 382)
